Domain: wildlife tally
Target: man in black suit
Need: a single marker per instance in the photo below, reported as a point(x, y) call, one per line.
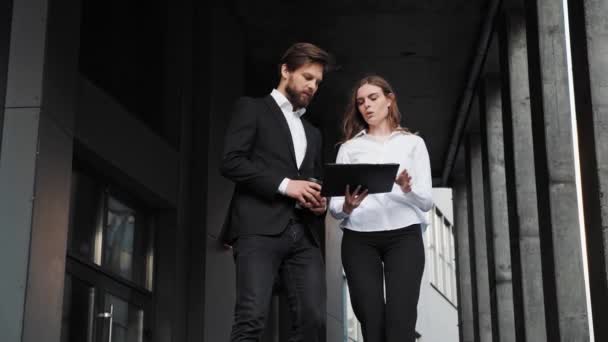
point(276, 212)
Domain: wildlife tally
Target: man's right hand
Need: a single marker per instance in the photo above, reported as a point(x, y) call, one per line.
point(304, 192)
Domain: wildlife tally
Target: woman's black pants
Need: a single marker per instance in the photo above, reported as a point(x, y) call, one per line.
point(394, 258)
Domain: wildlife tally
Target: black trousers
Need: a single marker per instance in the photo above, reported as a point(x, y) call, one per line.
point(297, 261)
point(392, 258)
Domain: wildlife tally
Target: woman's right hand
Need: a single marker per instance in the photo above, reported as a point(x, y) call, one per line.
point(353, 200)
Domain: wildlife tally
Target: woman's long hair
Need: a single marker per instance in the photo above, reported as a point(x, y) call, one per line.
point(353, 120)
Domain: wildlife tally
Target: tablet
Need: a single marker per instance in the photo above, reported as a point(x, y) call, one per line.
point(376, 178)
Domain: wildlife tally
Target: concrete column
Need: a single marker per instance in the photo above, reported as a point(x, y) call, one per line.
point(518, 137)
point(589, 39)
point(463, 262)
point(17, 183)
point(492, 132)
point(477, 224)
point(21, 117)
point(36, 155)
point(556, 183)
point(5, 34)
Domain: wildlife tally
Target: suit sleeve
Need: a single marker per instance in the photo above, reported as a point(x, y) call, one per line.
point(236, 162)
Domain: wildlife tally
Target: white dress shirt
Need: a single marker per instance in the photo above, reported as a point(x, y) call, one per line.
point(296, 129)
point(395, 209)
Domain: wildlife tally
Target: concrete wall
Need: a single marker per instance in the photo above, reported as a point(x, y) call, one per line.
point(442, 197)
point(437, 318)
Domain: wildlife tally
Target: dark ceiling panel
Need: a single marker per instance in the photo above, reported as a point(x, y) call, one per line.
point(424, 48)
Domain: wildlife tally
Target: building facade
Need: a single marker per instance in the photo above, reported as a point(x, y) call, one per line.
point(112, 117)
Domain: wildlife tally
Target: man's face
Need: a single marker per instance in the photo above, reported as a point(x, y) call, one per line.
point(302, 83)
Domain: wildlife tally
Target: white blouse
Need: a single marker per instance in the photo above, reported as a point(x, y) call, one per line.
point(396, 209)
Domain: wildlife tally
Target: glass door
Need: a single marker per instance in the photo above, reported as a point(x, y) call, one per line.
point(121, 321)
point(108, 293)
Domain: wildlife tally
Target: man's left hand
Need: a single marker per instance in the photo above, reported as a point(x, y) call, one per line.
point(319, 209)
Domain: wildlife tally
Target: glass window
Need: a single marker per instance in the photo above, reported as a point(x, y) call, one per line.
point(453, 266)
point(110, 232)
point(86, 220)
point(446, 255)
point(440, 250)
point(109, 266)
point(430, 239)
point(119, 231)
point(442, 255)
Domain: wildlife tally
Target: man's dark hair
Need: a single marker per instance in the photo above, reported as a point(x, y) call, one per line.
point(300, 54)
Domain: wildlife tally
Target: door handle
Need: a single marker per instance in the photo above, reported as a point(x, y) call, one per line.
point(106, 315)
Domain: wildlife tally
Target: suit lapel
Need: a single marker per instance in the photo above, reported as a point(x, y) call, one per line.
point(309, 142)
point(278, 114)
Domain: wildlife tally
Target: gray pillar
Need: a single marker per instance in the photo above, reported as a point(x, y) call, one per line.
point(498, 220)
point(589, 38)
point(556, 183)
point(17, 170)
point(36, 166)
point(463, 262)
point(518, 135)
point(17, 183)
point(477, 223)
point(5, 35)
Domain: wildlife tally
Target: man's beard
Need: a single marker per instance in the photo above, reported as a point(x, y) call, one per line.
point(297, 99)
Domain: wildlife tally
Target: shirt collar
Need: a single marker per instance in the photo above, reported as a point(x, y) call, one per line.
point(364, 132)
point(284, 103)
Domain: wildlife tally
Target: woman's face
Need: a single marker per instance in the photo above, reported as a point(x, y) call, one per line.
point(372, 104)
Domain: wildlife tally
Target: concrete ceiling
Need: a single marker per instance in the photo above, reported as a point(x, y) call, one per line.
point(424, 48)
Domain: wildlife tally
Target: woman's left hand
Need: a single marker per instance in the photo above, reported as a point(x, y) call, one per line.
point(404, 180)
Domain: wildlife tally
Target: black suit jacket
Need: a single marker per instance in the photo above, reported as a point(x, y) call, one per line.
point(258, 155)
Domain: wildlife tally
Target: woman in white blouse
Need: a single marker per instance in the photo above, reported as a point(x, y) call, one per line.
point(382, 247)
